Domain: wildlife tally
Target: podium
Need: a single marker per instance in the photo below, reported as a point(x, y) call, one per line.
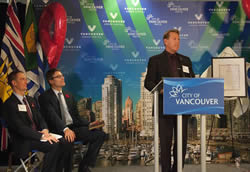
point(155, 91)
point(182, 96)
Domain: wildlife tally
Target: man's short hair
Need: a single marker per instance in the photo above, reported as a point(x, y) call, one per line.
point(50, 73)
point(167, 33)
point(12, 76)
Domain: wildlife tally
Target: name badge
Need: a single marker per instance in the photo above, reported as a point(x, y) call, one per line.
point(185, 69)
point(22, 108)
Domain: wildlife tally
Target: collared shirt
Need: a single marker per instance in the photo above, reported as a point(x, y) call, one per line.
point(174, 64)
point(68, 118)
point(56, 92)
point(20, 98)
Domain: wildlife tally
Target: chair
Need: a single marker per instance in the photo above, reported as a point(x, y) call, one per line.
point(78, 155)
point(80, 149)
point(27, 165)
point(3, 124)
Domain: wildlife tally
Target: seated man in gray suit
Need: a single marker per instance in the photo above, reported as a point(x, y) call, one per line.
point(60, 111)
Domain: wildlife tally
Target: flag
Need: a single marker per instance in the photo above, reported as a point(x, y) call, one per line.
point(4, 139)
point(33, 53)
point(12, 50)
point(5, 92)
point(36, 86)
point(12, 44)
point(5, 89)
point(30, 37)
point(12, 57)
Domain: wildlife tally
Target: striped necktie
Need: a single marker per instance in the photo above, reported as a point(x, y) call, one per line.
point(29, 113)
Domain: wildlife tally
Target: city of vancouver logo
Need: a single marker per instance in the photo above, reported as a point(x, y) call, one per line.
point(182, 97)
point(177, 91)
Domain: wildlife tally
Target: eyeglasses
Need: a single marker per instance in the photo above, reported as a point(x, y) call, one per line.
point(58, 76)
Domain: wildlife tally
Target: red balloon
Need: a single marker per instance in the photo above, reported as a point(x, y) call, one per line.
point(246, 7)
point(52, 44)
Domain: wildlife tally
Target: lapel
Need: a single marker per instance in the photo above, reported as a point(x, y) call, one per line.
point(67, 100)
point(33, 109)
point(53, 98)
point(54, 101)
point(31, 104)
point(15, 99)
point(24, 116)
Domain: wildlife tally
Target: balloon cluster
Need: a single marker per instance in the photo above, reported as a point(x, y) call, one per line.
point(52, 41)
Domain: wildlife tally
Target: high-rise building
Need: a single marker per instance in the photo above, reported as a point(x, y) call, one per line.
point(84, 107)
point(97, 109)
point(124, 119)
point(128, 111)
point(112, 105)
point(138, 114)
point(146, 104)
point(84, 103)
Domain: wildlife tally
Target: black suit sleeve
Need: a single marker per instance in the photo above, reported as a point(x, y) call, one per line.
point(152, 78)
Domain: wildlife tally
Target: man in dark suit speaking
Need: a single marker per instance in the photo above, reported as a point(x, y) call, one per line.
point(169, 64)
point(60, 111)
point(27, 127)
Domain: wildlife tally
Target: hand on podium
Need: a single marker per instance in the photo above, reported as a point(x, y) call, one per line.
point(161, 91)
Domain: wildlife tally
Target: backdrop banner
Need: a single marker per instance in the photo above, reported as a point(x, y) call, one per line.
point(118, 37)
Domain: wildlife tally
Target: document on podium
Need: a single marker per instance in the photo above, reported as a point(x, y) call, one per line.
point(57, 136)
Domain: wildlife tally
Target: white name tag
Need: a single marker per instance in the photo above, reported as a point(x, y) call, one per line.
point(22, 108)
point(185, 69)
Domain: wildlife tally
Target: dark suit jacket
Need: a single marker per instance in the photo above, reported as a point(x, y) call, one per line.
point(50, 108)
point(158, 67)
point(20, 125)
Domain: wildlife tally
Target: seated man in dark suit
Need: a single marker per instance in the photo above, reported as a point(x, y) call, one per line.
point(60, 111)
point(27, 127)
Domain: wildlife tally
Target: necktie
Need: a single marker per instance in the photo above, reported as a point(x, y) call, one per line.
point(29, 113)
point(62, 108)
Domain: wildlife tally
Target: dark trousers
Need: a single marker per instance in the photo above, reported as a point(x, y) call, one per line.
point(168, 126)
point(66, 157)
point(53, 153)
point(94, 139)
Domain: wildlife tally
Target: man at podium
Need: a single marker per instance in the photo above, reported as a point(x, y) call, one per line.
point(169, 64)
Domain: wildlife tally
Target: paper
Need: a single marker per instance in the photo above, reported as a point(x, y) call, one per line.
point(57, 136)
point(232, 69)
point(231, 75)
